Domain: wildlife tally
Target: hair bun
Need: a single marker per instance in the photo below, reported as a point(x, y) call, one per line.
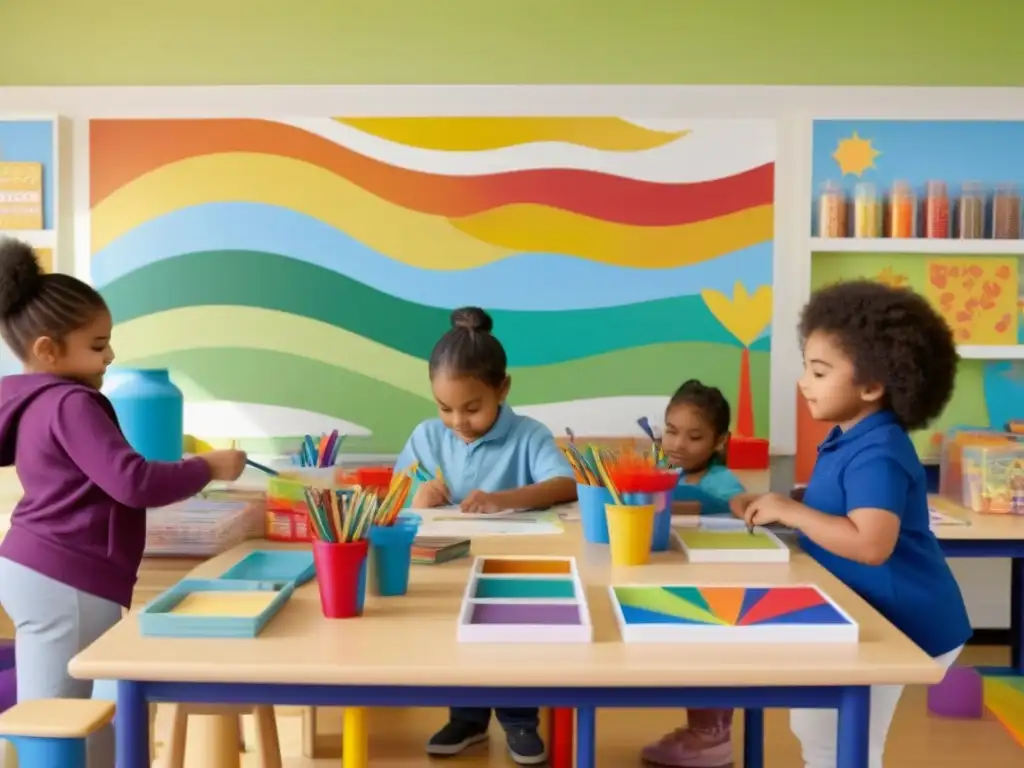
point(473, 319)
point(21, 277)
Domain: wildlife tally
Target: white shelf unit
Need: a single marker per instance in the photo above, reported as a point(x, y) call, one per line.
point(991, 351)
point(58, 238)
point(950, 246)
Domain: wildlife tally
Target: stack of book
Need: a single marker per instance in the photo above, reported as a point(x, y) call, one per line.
point(429, 550)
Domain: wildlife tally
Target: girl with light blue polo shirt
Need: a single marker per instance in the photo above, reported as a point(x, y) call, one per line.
point(485, 458)
point(695, 439)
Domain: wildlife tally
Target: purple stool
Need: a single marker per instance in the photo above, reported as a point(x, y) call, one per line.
point(961, 694)
point(8, 681)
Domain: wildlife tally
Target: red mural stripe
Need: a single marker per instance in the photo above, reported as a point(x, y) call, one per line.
point(123, 150)
point(781, 600)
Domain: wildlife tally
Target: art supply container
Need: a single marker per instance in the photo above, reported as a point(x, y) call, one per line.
point(832, 211)
point(902, 210)
point(971, 211)
point(1006, 213)
point(391, 556)
point(341, 577)
point(661, 534)
point(287, 517)
point(630, 530)
point(592, 501)
point(150, 411)
point(867, 211)
point(936, 210)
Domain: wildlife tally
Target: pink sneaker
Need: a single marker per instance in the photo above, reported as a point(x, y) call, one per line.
point(685, 748)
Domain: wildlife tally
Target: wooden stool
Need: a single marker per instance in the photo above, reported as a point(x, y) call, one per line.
point(51, 733)
point(223, 743)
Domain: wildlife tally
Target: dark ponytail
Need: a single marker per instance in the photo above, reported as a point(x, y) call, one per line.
point(469, 350)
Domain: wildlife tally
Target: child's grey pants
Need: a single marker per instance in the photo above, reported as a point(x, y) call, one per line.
point(52, 623)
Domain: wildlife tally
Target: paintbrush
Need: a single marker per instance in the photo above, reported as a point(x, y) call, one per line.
point(262, 468)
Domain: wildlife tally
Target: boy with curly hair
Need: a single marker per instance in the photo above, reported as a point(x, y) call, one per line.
point(878, 361)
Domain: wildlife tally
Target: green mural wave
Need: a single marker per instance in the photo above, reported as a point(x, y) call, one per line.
point(275, 282)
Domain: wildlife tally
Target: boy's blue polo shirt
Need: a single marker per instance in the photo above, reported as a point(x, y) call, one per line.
point(712, 491)
point(874, 464)
point(517, 451)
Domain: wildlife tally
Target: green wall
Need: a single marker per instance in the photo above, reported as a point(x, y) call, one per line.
point(185, 42)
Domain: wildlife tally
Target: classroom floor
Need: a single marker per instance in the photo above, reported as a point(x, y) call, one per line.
point(917, 740)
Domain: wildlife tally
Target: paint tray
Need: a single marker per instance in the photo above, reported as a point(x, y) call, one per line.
point(214, 608)
point(295, 566)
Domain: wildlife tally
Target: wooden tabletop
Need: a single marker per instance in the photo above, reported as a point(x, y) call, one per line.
point(981, 528)
point(411, 640)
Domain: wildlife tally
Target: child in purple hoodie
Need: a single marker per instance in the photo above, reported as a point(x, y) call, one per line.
point(68, 564)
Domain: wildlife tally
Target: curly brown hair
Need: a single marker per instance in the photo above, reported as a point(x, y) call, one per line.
point(893, 337)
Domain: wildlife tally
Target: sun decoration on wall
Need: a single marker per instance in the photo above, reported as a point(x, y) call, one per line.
point(855, 155)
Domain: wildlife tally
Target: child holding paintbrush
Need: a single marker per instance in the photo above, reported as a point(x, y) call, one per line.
point(493, 459)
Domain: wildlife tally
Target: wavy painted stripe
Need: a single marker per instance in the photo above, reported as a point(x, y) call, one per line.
point(220, 419)
point(417, 239)
point(712, 149)
point(212, 327)
point(390, 414)
point(473, 134)
point(142, 146)
point(507, 284)
point(251, 279)
point(599, 416)
point(534, 228)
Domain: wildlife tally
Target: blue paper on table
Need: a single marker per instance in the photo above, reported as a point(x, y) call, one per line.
point(294, 566)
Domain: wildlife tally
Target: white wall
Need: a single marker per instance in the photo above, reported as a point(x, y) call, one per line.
point(987, 585)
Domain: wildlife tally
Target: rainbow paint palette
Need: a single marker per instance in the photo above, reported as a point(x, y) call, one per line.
point(688, 613)
point(524, 600)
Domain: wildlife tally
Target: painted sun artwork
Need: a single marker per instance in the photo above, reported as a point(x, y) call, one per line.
point(855, 155)
point(692, 613)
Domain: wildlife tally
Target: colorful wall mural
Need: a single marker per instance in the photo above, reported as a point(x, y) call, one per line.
point(981, 295)
point(295, 275)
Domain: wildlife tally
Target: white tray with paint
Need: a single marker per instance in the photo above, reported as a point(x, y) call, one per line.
point(729, 613)
point(524, 600)
point(729, 541)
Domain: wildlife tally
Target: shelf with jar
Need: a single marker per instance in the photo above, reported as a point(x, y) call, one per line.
point(978, 219)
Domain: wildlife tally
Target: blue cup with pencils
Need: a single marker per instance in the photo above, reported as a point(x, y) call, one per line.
point(391, 555)
point(592, 501)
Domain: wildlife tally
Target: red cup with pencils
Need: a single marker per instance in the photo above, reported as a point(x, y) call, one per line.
point(340, 576)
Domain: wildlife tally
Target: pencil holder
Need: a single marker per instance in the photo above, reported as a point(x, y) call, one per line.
point(592, 501)
point(391, 555)
point(630, 531)
point(662, 501)
point(341, 577)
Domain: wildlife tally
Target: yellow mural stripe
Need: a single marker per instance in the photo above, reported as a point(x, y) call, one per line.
point(474, 134)
point(538, 228)
point(212, 327)
point(417, 239)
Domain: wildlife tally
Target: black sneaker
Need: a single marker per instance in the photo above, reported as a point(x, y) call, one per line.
point(526, 746)
point(456, 736)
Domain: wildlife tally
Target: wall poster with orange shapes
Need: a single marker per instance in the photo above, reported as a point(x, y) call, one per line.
point(977, 296)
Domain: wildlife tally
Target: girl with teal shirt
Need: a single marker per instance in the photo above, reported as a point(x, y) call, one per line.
point(695, 439)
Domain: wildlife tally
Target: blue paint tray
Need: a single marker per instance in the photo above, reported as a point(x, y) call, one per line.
point(193, 608)
point(291, 565)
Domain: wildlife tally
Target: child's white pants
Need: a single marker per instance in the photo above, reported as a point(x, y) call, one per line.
point(816, 728)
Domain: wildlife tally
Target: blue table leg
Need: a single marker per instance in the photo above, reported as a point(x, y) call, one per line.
point(753, 738)
point(854, 727)
point(586, 737)
point(1017, 616)
point(131, 726)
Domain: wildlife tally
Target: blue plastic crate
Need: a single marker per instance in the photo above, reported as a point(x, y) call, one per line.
point(156, 619)
point(293, 565)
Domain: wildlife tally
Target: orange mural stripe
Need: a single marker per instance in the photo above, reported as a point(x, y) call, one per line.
point(724, 602)
point(124, 150)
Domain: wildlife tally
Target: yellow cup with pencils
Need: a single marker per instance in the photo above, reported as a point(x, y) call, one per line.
point(630, 528)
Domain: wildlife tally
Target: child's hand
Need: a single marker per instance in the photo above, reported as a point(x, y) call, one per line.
point(480, 503)
point(433, 493)
point(225, 465)
point(770, 508)
point(738, 504)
